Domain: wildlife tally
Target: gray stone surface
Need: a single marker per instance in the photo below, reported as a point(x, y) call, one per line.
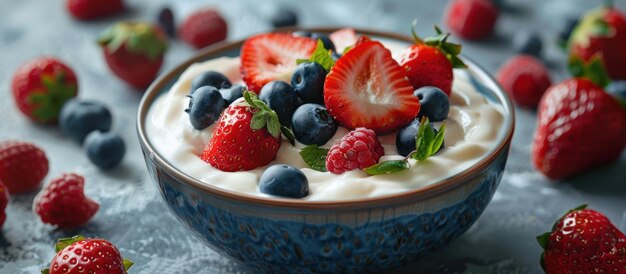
point(134, 217)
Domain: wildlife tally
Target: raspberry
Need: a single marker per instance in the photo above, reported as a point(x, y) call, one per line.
point(22, 166)
point(4, 200)
point(63, 202)
point(525, 78)
point(360, 148)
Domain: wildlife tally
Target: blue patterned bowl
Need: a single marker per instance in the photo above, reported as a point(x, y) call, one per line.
point(365, 235)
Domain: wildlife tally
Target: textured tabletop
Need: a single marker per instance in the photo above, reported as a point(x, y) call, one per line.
point(134, 217)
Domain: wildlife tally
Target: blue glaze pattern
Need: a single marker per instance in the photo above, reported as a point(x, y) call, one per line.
point(282, 240)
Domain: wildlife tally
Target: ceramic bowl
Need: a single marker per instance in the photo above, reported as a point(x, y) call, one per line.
point(355, 236)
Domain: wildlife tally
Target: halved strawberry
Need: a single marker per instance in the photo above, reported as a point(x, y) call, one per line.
point(272, 56)
point(343, 38)
point(367, 88)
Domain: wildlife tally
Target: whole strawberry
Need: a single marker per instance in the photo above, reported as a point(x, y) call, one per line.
point(525, 78)
point(247, 136)
point(22, 166)
point(134, 51)
point(94, 9)
point(471, 19)
point(41, 86)
point(429, 62)
point(63, 202)
point(4, 201)
point(583, 241)
point(203, 27)
point(602, 32)
point(87, 255)
point(580, 126)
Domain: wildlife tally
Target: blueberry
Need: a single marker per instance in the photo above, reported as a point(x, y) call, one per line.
point(285, 181)
point(328, 44)
point(302, 33)
point(434, 103)
point(568, 27)
point(104, 149)
point(526, 42)
point(312, 124)
point(284, 17)
point(210, 78)
point(231, 94)
point(308, 81)
point(617, 88)
point(205, 106)
point(405, 140)
point(79, 118)
point(166, 21)
point(281, 98)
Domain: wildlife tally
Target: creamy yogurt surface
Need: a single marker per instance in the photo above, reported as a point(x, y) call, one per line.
point(472, 128)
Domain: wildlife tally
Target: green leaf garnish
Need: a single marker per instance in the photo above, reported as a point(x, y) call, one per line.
point(45, 271)
point(440, 41)
point(288, 134)
point(593, 70)
point(321, 55)
point(315, 157)
point(427, 143)
point(387, 167)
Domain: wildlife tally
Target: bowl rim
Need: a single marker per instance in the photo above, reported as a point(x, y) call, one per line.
point(430, 190)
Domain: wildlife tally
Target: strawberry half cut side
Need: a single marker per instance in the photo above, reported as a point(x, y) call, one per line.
point(367, 88)
point(272, 56)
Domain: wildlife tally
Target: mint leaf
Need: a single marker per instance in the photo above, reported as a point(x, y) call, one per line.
point(315, 157)
point(288, 134)
point(387, 167)
point(426, 142)
point(321, 55)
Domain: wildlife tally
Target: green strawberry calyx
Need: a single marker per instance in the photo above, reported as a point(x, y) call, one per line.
point(266, 118)
point(49, 101)
point(137, 37)
point(544, 238)
point(592, 70)
point(440, 41)
point(427, 144)
point(65, 242)
point(592, 25)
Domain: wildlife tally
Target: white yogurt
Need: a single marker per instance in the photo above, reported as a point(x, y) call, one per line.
point(473, 126)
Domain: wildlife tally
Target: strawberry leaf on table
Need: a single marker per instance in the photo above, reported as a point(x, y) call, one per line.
point(315, 157)
point(593, 70)
point(128, 263)
point(321, 55)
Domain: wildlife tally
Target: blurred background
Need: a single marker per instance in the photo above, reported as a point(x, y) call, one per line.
point(132, 214)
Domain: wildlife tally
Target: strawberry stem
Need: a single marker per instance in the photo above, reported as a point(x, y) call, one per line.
point(417, 39)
